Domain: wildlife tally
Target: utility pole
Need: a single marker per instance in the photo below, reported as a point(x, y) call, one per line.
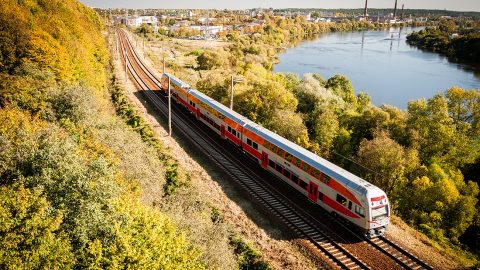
point(395, 10)
point(234, 80)
point(365, 14)
point(231, 95)
point(169, 109)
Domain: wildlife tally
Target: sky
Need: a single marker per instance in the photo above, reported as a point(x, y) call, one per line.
point(459, 5)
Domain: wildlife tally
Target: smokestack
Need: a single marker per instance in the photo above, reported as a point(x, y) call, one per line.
point(395, 10)
point(403, 5)
point(366, 9)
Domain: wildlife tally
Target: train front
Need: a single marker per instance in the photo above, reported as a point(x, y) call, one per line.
point(379, 213)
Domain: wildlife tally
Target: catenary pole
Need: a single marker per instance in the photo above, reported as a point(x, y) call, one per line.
point(231, 95)
point(169, 109)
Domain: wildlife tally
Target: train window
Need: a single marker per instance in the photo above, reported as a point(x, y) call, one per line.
point(359, 210)
point(234, 132)
point(320, 196)
point(303, 185)
point(325, 179)
point(267, 144)
point(287, 173)
point(229, 129)
point(288, 156)
point(315, 173)
point(342, 200)
point(273, 148)
point(255, 146)
point(350, 205)
point(279, 168)
point(281, 152)
point(295, 178)
point(249, 142)
point(296, 161)
point(271, 163)
point(305, 167)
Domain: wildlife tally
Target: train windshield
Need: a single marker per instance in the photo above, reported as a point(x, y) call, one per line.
point(379, 213)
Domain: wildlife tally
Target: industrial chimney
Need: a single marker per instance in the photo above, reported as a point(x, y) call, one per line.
point(395, 10)
point(366, 10)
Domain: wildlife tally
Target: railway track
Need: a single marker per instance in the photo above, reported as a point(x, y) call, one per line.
point(319, 241)
point(398, 254)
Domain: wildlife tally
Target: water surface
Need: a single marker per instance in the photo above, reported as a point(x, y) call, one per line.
point(380, 63)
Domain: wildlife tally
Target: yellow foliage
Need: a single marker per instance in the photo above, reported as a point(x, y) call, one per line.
point(65, 36)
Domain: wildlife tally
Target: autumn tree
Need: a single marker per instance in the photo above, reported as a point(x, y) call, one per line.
point(342, 87)
point(30, 229)
point(289, 125)
point(209, 60)
point(388, 162)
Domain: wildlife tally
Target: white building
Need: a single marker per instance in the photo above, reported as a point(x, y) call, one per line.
point(208, 30)
point(137, 21)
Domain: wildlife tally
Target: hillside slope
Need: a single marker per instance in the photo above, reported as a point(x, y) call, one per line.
point(72, 173)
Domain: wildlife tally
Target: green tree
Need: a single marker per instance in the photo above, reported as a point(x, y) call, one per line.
point(342, 87)
point(144, 29)
point(325, 127)
point(209, 60)
point(289, 125)
point(389, 161)
point(29, 227)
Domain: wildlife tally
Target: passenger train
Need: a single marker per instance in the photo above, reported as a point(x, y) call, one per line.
point(333, 188)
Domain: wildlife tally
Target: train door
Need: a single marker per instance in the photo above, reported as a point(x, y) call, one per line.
point(264, 159)
point(222, 131)
point(313, 192)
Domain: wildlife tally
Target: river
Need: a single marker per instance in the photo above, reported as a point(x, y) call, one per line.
point(381, 64)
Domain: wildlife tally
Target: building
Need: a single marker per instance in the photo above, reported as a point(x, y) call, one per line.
point(139, 20)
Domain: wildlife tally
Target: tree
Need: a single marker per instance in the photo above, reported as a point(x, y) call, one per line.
point(289, 125)
point(260, 94)
point(342, 87)
point(325, 128)
point(440, 202)
point(431, 122)
point(209, 60)
point(388, 160)
point(447, 26)
point(216, 86)
point(29, 227)
point(144, 29)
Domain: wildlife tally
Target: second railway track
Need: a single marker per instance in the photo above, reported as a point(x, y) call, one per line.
point(320, 241)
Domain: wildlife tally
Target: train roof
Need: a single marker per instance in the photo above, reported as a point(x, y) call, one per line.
point(343, 176)
point(177, 81)
point(240, 119)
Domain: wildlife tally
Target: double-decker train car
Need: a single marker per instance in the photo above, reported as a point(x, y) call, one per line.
point(333, 188)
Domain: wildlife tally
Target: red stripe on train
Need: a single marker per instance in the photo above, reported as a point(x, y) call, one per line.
point(377, 198)
point(252, 151)
point(338, 207)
